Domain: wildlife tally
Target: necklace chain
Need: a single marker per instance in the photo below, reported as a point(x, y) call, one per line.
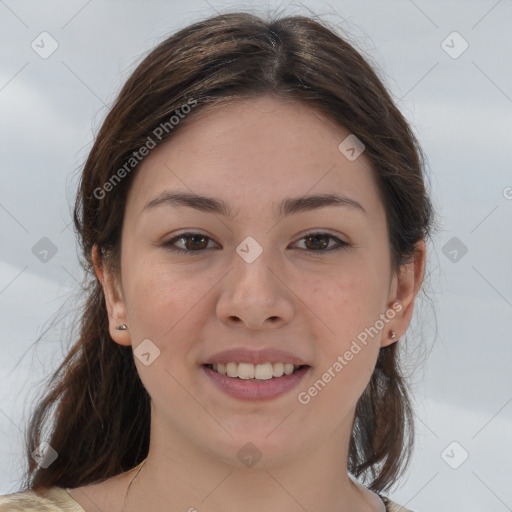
point(131, 482)
point(382, 498)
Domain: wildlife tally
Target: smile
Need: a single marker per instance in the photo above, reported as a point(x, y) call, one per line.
point(247, 371)
point(250, 382)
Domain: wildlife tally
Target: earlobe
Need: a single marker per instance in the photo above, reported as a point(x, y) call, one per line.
point(114, 301)
point(389, 335)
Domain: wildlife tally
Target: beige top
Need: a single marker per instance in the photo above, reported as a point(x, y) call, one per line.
point(57, 499)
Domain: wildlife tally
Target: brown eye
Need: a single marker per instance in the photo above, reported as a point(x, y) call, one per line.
point(318, 243)
point(191, 242)
point(197, 242)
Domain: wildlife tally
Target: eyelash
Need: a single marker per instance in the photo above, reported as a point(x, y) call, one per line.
point(169, 245)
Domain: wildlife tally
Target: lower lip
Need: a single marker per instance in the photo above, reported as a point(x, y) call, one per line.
point(256, 389)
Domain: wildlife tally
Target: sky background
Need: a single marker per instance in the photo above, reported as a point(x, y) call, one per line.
point(459, 102)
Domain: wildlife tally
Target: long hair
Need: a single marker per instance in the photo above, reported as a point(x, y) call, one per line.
point(96, 410)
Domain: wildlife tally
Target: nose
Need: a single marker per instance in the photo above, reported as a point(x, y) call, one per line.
point(255, 295)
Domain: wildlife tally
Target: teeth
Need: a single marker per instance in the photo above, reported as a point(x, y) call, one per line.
point(263, 371)
point(247, 371)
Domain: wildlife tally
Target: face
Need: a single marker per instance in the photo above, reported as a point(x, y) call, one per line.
point(252, 278)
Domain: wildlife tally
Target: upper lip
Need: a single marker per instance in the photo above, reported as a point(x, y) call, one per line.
point(264, 355)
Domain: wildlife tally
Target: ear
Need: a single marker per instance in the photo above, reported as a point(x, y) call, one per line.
point(114, 300)
point(404, 289)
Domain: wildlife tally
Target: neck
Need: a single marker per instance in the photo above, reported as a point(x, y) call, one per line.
point(188, 477)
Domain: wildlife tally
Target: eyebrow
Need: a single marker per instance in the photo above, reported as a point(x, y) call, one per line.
point(286, 207)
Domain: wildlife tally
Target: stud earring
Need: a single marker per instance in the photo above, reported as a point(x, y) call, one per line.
point(393, 335)
point(122, 327)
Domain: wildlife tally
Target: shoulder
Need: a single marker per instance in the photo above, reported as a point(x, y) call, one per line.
point(54, 499)
point(391, 506)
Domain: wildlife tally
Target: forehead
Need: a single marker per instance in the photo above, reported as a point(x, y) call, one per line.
point(255, 152)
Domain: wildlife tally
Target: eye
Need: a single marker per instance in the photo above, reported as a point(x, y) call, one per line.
point(316, 243)
point(319, 242)
point(193, 242)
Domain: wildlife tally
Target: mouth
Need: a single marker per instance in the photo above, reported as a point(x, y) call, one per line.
point(249, 382)
point(255, 372)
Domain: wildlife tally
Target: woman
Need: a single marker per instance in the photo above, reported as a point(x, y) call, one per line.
point(253, 218)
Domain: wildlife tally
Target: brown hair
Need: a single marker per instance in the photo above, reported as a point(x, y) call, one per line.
point(97, 410)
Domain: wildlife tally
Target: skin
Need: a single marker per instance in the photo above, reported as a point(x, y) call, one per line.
point(252, 154)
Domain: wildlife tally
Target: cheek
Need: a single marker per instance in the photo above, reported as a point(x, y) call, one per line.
point(348, 306)
point(161, 301)
point(346, 353)
point(346, 300)
point(164, 305)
